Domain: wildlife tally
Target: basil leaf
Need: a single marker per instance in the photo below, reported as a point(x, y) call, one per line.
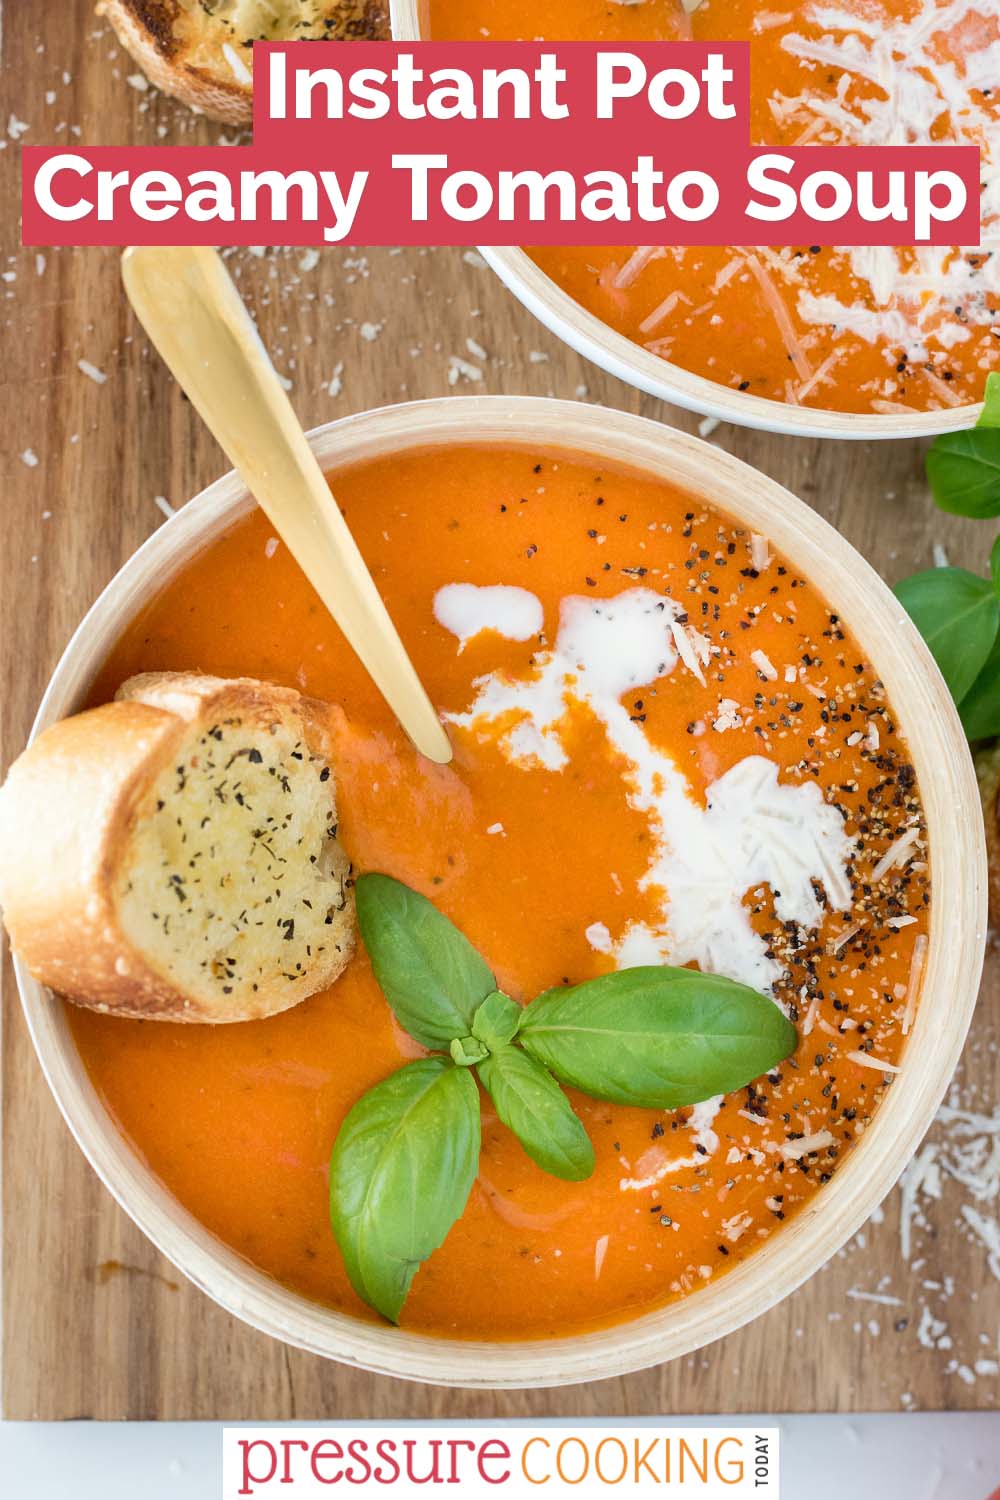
point(656, 1037)
point(995, 565)
point(532, 1105)
point(429, 971)
point(990, 414)
point(400, 1175)
point(958, 614)
point(980, 708)
point(467, 1051)
point(964, 471)
point(497, 1019)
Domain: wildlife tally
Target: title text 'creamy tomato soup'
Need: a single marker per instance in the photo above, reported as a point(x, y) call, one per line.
point(667, 749)
point(862, 329)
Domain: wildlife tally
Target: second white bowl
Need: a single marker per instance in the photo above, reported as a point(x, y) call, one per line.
point(630, 362)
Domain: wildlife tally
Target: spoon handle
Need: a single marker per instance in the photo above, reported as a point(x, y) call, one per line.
point(187, 303)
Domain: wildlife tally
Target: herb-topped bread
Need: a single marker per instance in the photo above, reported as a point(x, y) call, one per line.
point(174, 855)
point(201, 51)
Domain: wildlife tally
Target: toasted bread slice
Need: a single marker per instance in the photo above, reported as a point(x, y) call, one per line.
point(201, 51)
point(174, 855)
point(988, 772)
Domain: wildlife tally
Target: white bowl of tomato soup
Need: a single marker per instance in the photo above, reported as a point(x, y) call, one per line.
point(795, 684)
point(809, 340)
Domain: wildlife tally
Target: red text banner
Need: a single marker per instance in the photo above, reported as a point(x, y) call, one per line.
point(380, 143)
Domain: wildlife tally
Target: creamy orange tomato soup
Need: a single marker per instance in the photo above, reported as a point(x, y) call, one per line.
point(568, 20)
point(867, 330)
point(667, 749)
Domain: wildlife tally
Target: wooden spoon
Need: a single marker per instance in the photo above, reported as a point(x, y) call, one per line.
point(191, 310)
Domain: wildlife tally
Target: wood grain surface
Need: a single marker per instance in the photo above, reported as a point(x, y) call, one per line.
point(95, 1322)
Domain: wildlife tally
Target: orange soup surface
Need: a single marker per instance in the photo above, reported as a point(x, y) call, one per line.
point(687, 758)
point(867, 330)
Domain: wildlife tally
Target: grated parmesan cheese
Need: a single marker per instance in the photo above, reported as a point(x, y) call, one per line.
point(898, 853)
point(764, 666)
point(924, 78)
point(91, 371)
point(865, 1060)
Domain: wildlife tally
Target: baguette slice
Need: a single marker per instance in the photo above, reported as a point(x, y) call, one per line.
point(174, 855)
point(201, 51)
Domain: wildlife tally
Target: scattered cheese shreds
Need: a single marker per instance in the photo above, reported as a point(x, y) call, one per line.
point(882, 1298)
point(462, 368)
point(637, 261)
point(988, 1231)
point(91, 371)
point(764, 666)
point(915, 979)
point(662, 311)
point(865, 1060)
point(783, 318)
point(685, 650)
point(795, 1150)
point(898, 852)
point(760, 554)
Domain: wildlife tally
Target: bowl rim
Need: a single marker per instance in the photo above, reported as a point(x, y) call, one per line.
point(951, 976)
point(617, 355)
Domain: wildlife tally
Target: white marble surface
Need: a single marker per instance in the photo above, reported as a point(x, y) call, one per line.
point(940, 1456)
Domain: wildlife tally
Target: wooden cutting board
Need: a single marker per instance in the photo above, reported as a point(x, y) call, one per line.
point(95, 442)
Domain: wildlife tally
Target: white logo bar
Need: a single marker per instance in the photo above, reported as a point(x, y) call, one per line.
point(539, 1460)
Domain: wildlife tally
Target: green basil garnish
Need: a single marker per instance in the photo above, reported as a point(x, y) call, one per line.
point(400, 1175)
point(956, 611)
point(532, 1105)
point(964, 472)
point(428, 971)
point(958, 615)
point(407, 1154)
point(979, 710)
point(990, 414)
point(497, 1019)
point(660, 1038)
point(963, 468)
point(467, 1051)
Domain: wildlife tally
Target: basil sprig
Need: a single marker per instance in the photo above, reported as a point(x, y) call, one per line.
point(958, 615)
point(964, 467)
point(400, 1175)
point(958, 612)
point(660, 1038)
point(532, 1105)
point(407, 1154)
point(428, 971)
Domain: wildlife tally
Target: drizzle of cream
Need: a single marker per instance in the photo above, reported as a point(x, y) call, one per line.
point(466, 611)
point(599, 937)
point(656, 1163)
point(604, 649)
point(752, 831)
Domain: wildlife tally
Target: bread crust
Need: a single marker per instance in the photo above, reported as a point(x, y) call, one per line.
point(67, 810)
point(161, 37)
